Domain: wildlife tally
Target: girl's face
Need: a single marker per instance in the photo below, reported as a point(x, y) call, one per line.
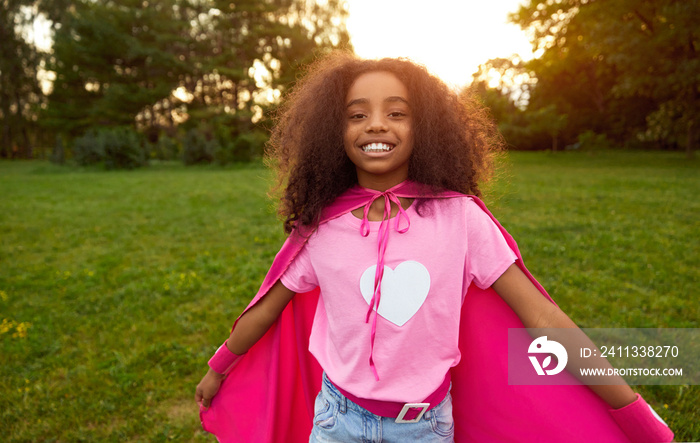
point(379, 129)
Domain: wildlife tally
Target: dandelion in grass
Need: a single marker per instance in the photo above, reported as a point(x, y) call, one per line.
point(21, 330)
point(6, 326)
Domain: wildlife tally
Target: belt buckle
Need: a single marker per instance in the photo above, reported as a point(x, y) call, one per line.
point(406, 407)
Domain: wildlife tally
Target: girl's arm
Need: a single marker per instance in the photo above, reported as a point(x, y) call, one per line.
point(535, 311)
point(258, 319)
point(249, 329)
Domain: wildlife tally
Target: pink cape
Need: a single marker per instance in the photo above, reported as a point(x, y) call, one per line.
point(269, 395)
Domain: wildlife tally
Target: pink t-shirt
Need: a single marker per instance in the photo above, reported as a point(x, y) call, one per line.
point(427, 272)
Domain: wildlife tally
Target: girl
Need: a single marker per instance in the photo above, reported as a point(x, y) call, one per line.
point(403, 287)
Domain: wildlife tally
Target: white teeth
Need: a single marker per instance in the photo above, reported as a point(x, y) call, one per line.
point(377, 147)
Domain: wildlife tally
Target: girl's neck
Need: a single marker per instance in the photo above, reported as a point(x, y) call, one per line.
point(376, 211)
point(379, 183)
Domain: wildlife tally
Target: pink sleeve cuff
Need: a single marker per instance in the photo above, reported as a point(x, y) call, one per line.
point(641, 424)
point(223, 360)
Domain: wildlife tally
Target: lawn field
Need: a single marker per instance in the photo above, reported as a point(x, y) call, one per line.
point(117, 286)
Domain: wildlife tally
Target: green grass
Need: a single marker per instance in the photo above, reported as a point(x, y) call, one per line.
point(126, 282)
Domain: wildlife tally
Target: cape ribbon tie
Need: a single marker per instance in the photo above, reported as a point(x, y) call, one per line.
point(382, 240)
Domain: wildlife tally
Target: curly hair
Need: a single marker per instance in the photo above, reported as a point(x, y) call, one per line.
point(453, 135)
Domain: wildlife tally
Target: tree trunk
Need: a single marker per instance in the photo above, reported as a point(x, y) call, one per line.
point(27, 148)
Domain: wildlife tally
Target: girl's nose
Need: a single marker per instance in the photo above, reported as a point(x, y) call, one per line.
point(376, 123)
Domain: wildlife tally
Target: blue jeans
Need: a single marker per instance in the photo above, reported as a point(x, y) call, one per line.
point(337, 419)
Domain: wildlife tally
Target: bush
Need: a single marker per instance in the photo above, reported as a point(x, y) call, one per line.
point(197, 149)
point(666, 127)
point(122, 148)
point(590, 141)
point(58, 155)
point(169, 148)
point(165, 148)
point(224, 153)
point(87, 150)
point(117, 148)
point(244, 148)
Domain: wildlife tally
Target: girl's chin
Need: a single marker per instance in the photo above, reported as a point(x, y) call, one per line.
point(378, 154)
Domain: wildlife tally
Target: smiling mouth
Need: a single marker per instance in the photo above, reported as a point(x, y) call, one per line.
point(377, 147)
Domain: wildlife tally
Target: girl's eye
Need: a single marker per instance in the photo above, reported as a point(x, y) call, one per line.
point(397, 114)
point(356, 116)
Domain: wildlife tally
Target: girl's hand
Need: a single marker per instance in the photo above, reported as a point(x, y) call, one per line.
point(249, 328)
point(207, 388)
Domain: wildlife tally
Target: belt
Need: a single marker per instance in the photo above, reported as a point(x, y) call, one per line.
point(403, 412)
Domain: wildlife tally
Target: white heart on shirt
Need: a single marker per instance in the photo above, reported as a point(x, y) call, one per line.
point(404, 290)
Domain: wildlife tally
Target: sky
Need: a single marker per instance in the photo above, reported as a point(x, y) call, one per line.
point(450, 37)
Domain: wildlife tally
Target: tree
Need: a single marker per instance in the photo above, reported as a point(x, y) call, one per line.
point(113, 60)
point(635, 61)
point(20, 94)
point(245, 54)
point(160, 63)
point(506, 87)
point(21, 63)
